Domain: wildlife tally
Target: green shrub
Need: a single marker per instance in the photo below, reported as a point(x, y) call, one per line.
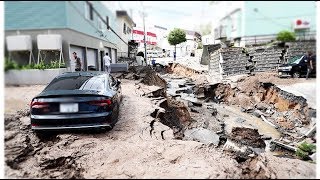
point(302, 154)
point(310, 148)
point(286, 36)
point(9, 64)
point(41, 65)
point(305, 149)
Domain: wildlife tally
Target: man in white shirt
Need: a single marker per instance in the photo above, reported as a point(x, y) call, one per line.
point(107, 62)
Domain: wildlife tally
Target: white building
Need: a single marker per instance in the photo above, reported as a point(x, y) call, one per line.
point(187, 48)
point(127, 24)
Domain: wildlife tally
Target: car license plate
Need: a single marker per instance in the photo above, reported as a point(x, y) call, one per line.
point(280, 73)
point(69, 107)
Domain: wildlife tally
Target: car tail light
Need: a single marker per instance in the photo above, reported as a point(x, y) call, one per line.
point(104, 102)
point(39, 105)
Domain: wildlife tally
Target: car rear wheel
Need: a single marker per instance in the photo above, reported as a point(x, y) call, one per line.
point(296, 75)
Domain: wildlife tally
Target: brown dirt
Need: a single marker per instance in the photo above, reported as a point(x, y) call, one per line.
point(118, 153)
point(184, 71)
point(267, 77)
point(247, 136)
point(267, 93)
point(151, 78)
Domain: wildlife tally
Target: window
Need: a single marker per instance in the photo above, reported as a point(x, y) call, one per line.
point(124, 28)
point(129, 31)
point(107, 20)
point(88, 9)
point(78, 83)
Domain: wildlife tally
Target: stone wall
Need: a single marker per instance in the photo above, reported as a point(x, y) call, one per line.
point(236, 60)
point(300, 47)
point(207, 51)
point(214, 64)
point(266, 58)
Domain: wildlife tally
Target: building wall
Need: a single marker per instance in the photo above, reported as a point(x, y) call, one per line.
point(77, 21)
point(123, 51)
point(68, 19)
point(20, 15)
point(273, 17)
point(70, 38)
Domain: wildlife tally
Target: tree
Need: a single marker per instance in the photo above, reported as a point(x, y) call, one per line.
point(176, 36)
point(286, 36)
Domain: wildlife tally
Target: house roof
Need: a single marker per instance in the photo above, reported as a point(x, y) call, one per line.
point(194, 33)
point(125, 14)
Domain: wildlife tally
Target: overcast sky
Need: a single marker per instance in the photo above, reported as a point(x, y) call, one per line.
point(170, 14)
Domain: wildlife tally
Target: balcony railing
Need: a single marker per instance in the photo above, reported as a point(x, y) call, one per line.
point(220, 32)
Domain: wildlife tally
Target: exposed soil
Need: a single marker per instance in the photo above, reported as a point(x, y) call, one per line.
point(145, 138)
point(284, 109)
point(247, 136)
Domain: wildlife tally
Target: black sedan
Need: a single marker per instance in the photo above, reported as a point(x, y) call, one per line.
point(296, 67)
point(78, 100)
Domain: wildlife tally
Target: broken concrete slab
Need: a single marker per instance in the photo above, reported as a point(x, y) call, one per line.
point(119, 67)
point(313, 157)
point(265, 120)
point(311, 131)
point(202, 135)
point(291, 148)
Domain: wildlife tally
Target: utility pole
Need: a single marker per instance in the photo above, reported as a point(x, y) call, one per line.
point(144, 39)
point(144, 35)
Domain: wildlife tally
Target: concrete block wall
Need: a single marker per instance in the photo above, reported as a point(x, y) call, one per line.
point(207, 51)
point(266, 58)
point(32, 76)
point(300, 47)
point(234, 61)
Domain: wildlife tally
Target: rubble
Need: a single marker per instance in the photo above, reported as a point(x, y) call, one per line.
point(202, 135)
point(149, 126)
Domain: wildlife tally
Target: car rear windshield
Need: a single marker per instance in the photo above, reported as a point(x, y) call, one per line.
point(77, 83)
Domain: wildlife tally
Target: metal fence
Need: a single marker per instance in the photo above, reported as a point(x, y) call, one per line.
point(301, 36)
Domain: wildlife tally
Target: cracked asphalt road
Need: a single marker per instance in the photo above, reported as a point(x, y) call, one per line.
point(130, 150)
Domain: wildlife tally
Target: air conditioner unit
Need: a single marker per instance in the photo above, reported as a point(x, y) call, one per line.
point(49, 42)
point(19, 43)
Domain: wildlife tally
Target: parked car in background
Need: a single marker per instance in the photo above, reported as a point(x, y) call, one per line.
point(78, 100)
point(296, 67)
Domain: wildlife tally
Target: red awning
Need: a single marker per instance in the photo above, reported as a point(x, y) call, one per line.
point(151, 34)
point(137, 32)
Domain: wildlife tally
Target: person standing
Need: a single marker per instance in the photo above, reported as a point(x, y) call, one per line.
point(310, 62)
point(107, 62)
point(78, 62)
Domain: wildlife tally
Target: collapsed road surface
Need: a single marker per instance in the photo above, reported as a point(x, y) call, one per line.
point(138, 147)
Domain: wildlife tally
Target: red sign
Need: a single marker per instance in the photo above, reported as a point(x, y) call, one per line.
point(138, 36)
